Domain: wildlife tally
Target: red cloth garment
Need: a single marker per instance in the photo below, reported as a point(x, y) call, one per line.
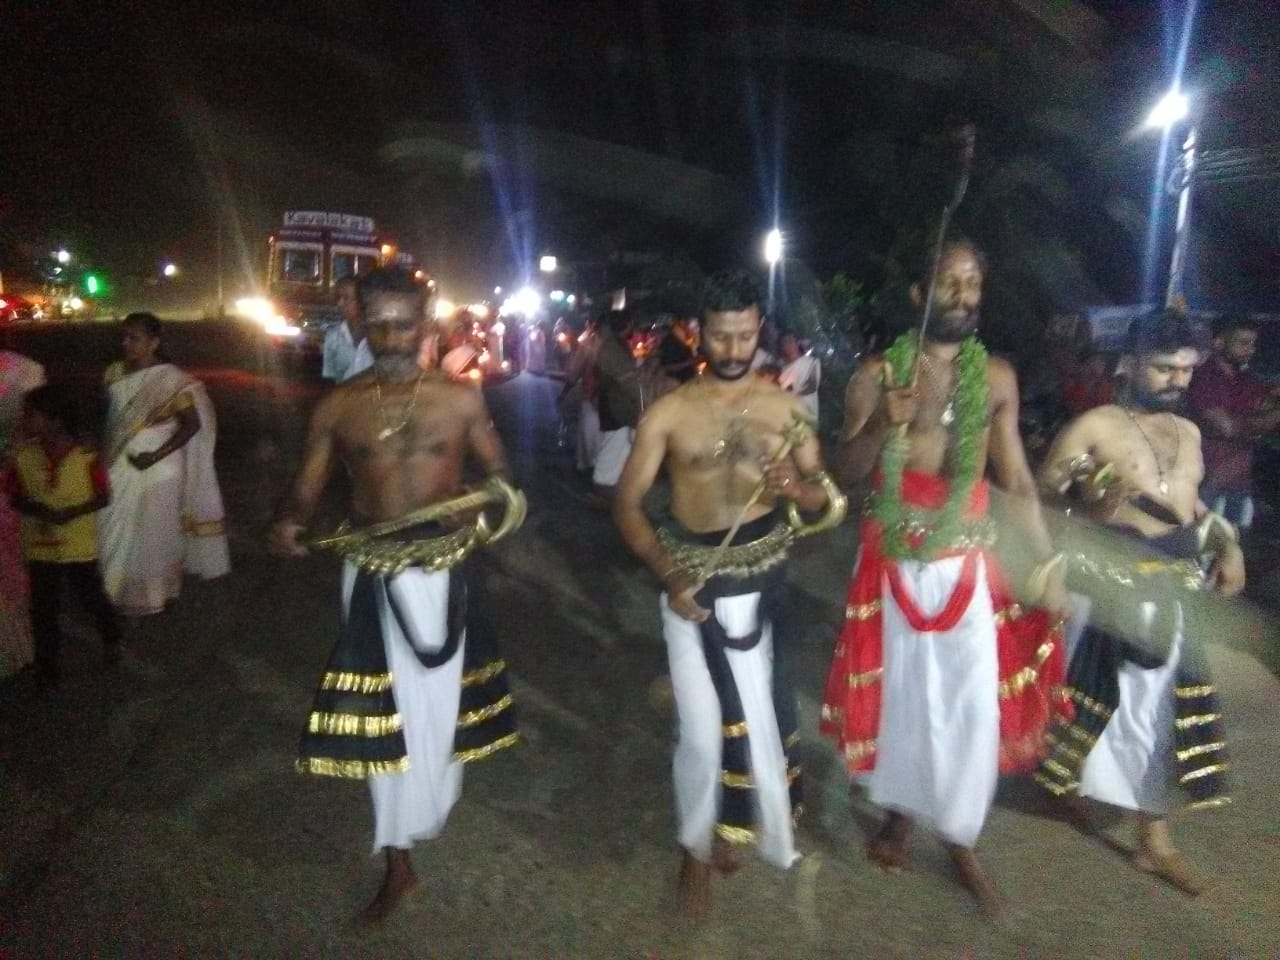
point(1228, 461)
point(1032, 662)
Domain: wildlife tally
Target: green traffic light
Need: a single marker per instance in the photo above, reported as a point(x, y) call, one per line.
point(92, 285)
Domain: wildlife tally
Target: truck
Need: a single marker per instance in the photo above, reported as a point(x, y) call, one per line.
point(306, 256)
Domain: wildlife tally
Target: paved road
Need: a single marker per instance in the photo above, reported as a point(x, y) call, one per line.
point(156, 810)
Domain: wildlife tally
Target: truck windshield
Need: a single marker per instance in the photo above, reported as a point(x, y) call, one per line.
point(299, 265)
point(353, 264)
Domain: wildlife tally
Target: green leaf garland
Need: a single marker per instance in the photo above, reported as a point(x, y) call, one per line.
point(943, 528)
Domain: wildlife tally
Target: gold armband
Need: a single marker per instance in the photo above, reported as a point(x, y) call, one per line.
point(1038, 581)
point(1085, 479)
point(1214, 533)
point(832, 516)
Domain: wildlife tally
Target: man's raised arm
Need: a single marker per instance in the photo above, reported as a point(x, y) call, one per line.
point(870, 412)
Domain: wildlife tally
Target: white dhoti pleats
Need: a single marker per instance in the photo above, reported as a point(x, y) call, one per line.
point(937, 751)
point(1131, 764)
point(611, 456)
point(696, 764)
point(414, 805)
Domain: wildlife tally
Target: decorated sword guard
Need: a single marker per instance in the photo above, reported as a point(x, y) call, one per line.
point(836, 510)
point(368, 548)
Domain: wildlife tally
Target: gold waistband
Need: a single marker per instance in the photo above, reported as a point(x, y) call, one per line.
point(389, 557)
point(738, 561)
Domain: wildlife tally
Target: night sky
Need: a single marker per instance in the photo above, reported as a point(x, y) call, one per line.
point(480, 134)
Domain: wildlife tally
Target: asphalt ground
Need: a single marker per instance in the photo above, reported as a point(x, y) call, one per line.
point(154, 811)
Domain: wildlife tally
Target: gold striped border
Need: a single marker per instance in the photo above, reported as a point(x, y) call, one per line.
point(862, 611)
point(484, 674)
point(735, 834)
point(1199, 720)
point(480, 753)
point(1196, 751)
point(1090, 704)
point(1080, 735)
point(1193, 692)
point(351, 725)
point(471, 718)
point(356, 682)
point(742, 781)
point(1210, 804)
point(1053, 766)
point(832, 714)
point(858, 680)
point(1060, 747)
point(1007, 615)
point(858, 750)
point(793, 774)
point(207, 528)
point(734, 730)
point(791, 740)
point(1053, 786)
point(1023, 678)
point(351, 769)
point(1203, 772)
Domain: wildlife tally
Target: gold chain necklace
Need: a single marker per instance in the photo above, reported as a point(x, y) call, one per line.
point(948, 415)
point(1162, 483)
point(387, 430)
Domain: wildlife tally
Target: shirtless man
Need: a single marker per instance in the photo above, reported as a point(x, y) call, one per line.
point(404, 435)
point(735, 776)
point(1144, 704)
point(915, 695)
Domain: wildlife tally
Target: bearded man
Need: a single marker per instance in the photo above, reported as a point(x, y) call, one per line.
point(738, 450)
point(940, 681)
point(1145, 707)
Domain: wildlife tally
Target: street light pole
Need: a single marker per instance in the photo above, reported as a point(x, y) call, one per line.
point(1175, 295)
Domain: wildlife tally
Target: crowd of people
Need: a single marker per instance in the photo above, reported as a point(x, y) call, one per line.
point(119, 520)
point(1078, 665)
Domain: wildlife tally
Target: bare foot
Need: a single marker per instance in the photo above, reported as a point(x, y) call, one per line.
point(888, 848)
point(1171, 867)
point(396, 883)
point(978, 883)
point(693, 898)
point(725, 856)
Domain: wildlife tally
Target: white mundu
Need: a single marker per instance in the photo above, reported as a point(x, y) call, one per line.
point(1131, 764)
point(415, 804)
point(697, 763)
point(938, 749)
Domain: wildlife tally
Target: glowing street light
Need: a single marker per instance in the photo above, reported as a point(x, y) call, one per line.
point(170, 270)
point(548, 264)
point(773, 247)
point(1172, 108)
point(63, 256)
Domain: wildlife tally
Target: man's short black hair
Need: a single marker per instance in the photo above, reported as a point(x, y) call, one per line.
point(389, 280)
point(55, 401)
point(924, 259)
point(727, 290)
point(1162, 331)
point(148, 323)
point(1230, 323)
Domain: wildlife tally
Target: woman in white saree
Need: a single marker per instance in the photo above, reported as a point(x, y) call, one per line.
point(165, 517)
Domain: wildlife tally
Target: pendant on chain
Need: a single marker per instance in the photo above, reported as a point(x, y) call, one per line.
point(948, 414)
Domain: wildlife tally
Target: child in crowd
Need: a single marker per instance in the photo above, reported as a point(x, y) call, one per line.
point(58, 485)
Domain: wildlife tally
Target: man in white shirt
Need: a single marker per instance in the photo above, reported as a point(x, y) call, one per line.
point(346, 352)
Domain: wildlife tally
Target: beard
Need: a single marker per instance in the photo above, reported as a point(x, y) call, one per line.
point(1162, 401)
point(952, 326)
point(729, 369)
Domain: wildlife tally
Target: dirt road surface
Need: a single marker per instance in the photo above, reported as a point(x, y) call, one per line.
point(154, 811)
